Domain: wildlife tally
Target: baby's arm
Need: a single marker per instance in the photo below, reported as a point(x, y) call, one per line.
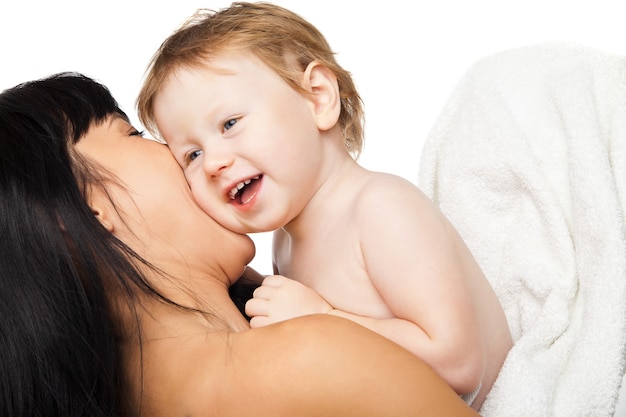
point(421, 268)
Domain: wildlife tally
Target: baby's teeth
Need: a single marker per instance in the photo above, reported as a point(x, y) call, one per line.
point(238, 187)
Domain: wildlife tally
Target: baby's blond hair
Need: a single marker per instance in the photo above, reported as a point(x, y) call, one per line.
point(274, 34)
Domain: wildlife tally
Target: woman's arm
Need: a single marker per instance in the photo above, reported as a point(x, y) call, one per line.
point(319, 366)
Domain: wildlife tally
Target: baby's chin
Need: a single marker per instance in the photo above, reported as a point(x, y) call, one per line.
point(247, 228)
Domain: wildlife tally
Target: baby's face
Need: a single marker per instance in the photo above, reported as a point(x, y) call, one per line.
point(248, 143)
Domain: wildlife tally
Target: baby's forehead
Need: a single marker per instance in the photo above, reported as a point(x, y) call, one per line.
point(219, 63)
point(228, 63)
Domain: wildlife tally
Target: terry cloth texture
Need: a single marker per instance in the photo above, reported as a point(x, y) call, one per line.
point(528, 161)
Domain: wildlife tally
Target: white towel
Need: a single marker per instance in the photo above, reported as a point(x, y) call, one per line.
point(528, 160)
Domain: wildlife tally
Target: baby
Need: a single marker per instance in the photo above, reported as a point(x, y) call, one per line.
point(267, 128)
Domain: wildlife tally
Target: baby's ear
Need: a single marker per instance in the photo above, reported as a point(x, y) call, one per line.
point(321, 83)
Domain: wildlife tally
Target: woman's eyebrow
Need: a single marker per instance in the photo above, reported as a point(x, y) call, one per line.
point(116, 117)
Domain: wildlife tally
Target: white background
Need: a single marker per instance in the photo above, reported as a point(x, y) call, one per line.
point(406, 56)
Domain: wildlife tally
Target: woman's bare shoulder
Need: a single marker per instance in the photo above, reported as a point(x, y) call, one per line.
point(314, 365)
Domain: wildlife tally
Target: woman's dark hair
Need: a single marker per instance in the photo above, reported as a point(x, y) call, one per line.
point(65, 281)
point(58, 351)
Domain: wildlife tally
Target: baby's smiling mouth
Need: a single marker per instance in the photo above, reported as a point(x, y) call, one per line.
point(244, 191)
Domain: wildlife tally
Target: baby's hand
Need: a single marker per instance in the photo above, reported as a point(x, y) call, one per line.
point(280, 298)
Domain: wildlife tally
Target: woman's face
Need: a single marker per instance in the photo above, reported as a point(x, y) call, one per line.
point(154, 212)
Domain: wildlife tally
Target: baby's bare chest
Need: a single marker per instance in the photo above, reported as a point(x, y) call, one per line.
point(333, 267)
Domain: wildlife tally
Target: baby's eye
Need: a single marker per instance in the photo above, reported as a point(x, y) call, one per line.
point(230, 123)
point(137, 133)
point(193, 155)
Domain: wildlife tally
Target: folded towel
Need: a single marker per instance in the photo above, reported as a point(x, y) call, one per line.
point(528, 160)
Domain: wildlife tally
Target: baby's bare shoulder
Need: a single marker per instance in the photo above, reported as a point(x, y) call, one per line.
point(390, 192)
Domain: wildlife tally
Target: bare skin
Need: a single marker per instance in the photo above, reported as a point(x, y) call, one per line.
point(425, 292)
point(367, 246)
point(213, 364)
point(326, 367)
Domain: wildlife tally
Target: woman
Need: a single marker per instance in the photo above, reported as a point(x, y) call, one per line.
point(115, 288)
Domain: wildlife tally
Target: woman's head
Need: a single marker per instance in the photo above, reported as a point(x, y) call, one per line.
point(87, 208)
point(280, 38)
point(147, 204)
